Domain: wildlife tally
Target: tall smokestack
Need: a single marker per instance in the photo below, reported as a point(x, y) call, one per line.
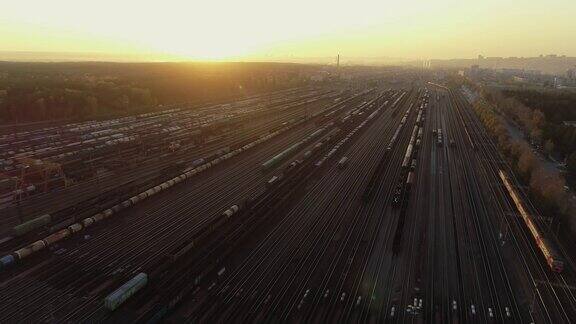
point(338, 61)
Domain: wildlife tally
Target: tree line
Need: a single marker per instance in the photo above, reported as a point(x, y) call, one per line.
point(546, 187)
point(540, 115)
point(49, 91)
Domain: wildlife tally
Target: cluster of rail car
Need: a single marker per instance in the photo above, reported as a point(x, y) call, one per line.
point(409, 161)
point(343, 141)
point(407, 175)
point(81, 199)
point(81, 149)
point(398, 97)
point(120, 295)
point(331, 130)
point(198, 166)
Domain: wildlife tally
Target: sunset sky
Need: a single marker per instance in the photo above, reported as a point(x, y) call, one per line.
point(265, 29)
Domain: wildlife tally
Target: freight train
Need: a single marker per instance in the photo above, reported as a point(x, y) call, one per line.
point(402, 200)
point(24, 252)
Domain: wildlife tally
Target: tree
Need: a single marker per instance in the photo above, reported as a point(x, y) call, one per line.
point(549, 146)
point(538, 119)
point(40, 111)
point(527, 161)
point(571, 163)
point(91, 105)
point(536, 135)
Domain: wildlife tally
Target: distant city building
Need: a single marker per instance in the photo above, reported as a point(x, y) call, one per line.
point(474, 69)
point(518, 79)
point(513, 71)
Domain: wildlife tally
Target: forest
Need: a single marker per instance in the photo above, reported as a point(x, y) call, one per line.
point(541, 114)
point(32, 92)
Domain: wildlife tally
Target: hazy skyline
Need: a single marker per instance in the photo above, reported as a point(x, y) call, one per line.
point(265, 30)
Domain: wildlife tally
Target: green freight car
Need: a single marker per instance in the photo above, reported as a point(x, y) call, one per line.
point(127, 290)
point(31, 225)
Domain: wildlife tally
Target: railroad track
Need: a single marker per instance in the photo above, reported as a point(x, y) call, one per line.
point(263, 294)
point(138, 233)
point(324, 241)
point(548, 295)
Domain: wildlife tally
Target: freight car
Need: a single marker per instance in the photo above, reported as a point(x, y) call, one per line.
point(31, 225)
point(553, 259)
point(206, 230)
point(419, 118)
point(343, 162)
point(397, 196)
point(403, 202)
point(272, 181)
point(127, 290)
point(62, 234)
point(6, 261)
point(290, 150)
point(439, 138)
point(410, 149)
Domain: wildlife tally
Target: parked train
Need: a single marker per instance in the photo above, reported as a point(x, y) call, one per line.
point(290, 150)
point(124, 292)
point(553, 259)
point(22, 253)
point(439, 138)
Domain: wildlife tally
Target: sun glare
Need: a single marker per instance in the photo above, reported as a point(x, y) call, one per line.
point(258, 29)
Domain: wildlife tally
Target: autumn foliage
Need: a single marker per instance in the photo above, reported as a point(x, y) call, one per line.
point(546, 186)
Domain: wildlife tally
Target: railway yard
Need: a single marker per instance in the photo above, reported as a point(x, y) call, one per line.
point(377, 204)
